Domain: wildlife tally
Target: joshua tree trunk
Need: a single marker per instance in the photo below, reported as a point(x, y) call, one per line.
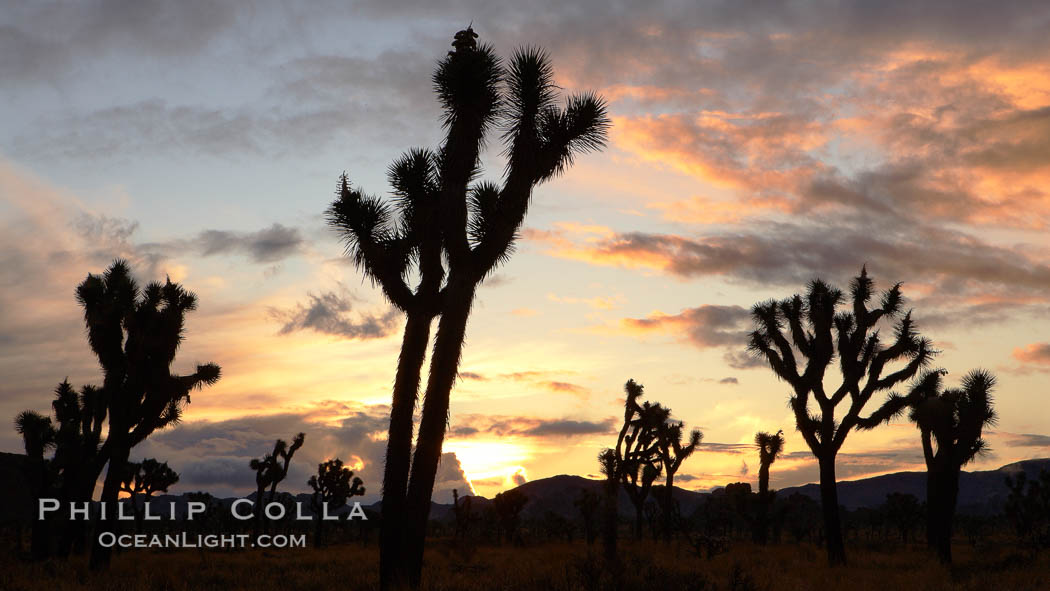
point(118, 461)
point(444, 365)
point(668, 507)
point(609, 519)
point(829, 501)
point(942, 492)
point(639, 523)
point(399, 449)
point(762, 528)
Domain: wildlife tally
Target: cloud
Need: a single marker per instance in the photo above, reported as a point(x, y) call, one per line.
point(704, 326)
point(214, 455)
point(536, 377)
point(1025, 439)
point(264, 246)
point(729, 380)
point(1035, 353)
point(472, 425)
point(330, 313)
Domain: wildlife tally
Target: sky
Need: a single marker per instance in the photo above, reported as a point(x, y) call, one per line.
point(754, 147)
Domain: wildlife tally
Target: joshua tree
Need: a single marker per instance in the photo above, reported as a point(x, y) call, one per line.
point(272, 469)
point(80, 420)
point(333, 486)
point(672, 453)
point(441, 217)
point(769, 447)
point(610, 467)
point(461, 511)
point(1028, 508)
point(588, 503)
point(38, 435)
point(633, 463)
point(813, 327)
point(135, 334)
point(146, 478)
point(903, 511)
point(508, 506)
point(951, 423)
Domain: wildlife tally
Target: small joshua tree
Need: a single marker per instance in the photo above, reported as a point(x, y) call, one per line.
point(951, 423)
point(38, 435)
point(672, 453)
point(1028, 509)
point(588, 504)
point(272, 469)
point(903, 511)
point(461, 511)
point(508, 506)
point(333, 486)
point(769, 447)
point(814, 327)
point(146, 478)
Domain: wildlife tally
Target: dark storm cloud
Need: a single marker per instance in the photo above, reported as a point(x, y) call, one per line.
point(331, 313)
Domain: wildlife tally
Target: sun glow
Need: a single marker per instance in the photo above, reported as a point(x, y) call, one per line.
point(491, 466)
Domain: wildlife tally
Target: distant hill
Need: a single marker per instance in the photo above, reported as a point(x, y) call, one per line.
point(980, 492)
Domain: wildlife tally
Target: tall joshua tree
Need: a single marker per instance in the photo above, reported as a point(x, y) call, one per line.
point(951, 423)
point(672, 453)
point(769, 447)
point(135, 333)
point(813, 326)
point(333, 486)
point(442, 216)
point(146, 478)
point(38, 435)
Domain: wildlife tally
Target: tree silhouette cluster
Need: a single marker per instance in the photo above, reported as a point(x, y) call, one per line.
point(135, 333)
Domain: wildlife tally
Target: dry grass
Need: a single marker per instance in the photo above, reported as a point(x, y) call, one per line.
point(550, 567)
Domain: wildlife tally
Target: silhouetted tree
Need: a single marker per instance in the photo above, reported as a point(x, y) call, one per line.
point(769, 447)
point(146, 478)
point(903, 511)
point(813, 327)
point(80, 421)
point(1028, 508)
point(333, 486)
point(135, 334)
point(672, 453)
point(444, 217)
point(461, 512)
point(508, 506)
point(610, 467)
point(588, 503)
point(951, 423)
point(38, 435)
point(272, 469)
point(635, 461)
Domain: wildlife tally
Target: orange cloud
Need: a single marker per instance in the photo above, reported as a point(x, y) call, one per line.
point(1037, 353)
